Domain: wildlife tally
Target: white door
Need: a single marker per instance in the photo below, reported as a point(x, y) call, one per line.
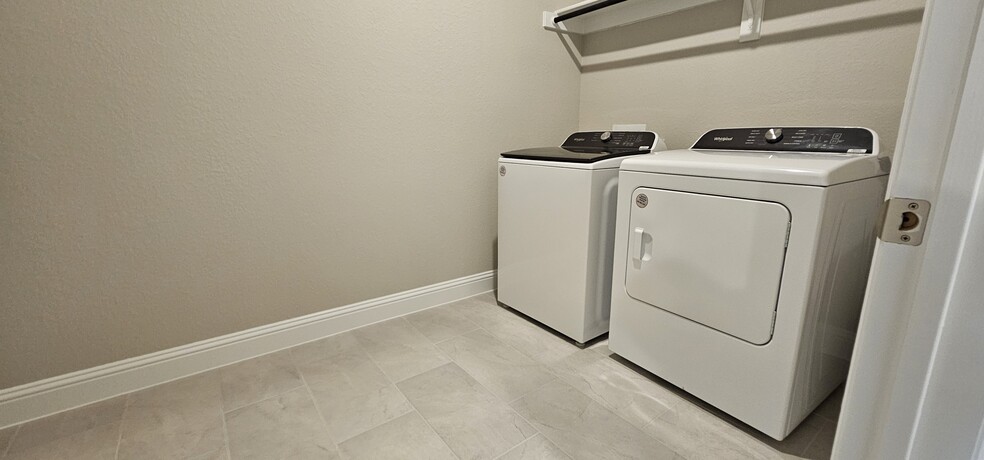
point(915, 386)
point(710, 259)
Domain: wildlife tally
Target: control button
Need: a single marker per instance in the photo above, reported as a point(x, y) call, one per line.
point(606, 136)
point(773, 135)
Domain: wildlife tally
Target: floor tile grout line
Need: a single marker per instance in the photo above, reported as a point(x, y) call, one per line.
point(551, 371)
point(321, 416)
point(428, 423)
point(380, 423)
point(613, 410)
point(374, 426)
point(815, 437)
point(497, 457)
point(373, 360)
point(511, 346)
point(430, 342)
point(506, 404)
point(651, 422)
point(417, 411)
point(544, 365)
point(389, 382)
point(555, 443)
point(616, 413)
point(225, 430)
point(824, 417)
point(436, 344)
point(538, 432)
point(391, 379)
point(522, 352)
point(558, 445)
point(455, 311)
point(10, 443)
point(499, 339)
point(707, 412)
point(807, 446)
point(452, 361)
point(226, 412)
point(119, 439)
point(656, 419)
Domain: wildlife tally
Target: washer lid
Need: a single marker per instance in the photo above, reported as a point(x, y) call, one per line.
point(592, 146)
point(803, 156)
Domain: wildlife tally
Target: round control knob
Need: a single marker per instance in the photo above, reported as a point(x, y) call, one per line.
point(773, 135)
point(606, 136)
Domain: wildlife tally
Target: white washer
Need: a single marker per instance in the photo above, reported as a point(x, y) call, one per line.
point(556, 228)
point(741, 266)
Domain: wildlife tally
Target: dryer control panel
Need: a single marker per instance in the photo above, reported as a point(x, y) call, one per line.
point(794, 140)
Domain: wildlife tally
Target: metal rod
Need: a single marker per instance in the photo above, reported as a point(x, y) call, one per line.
point(586, 10)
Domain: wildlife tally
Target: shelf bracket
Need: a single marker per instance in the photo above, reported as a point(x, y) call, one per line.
point(549, 24)
point(751, 20)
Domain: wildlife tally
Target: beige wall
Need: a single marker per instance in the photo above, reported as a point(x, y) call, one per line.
point(819, 62)
point(172, 171)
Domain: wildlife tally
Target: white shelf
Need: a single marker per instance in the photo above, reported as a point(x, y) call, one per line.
point(631, 11)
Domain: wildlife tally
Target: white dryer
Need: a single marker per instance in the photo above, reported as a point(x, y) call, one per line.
point(741, 265)
point(556, 228)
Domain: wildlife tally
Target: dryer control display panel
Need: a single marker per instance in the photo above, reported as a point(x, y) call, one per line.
point(786, 139)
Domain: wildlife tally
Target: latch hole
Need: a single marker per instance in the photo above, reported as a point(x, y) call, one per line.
point(909, 221)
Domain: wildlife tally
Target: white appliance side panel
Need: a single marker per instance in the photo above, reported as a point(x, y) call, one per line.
point(711, 259)
point(601, 248)
point(847, 239)
point(543, 243)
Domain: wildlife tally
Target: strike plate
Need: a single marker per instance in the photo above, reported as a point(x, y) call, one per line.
point(904, 221)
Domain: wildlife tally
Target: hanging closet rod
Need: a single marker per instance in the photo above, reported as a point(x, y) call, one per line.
point(568, 20)
point(587, 9)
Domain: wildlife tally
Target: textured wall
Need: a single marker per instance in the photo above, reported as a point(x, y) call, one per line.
point(821, 62)
point(172, 171)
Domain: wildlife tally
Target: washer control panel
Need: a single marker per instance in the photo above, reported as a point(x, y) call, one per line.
point(785, 139)
point(610, 141)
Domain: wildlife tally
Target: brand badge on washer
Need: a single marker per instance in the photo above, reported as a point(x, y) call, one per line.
point(502, 170)
point(642, 200)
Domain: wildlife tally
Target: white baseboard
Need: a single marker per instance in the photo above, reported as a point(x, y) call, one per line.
point(38, 399)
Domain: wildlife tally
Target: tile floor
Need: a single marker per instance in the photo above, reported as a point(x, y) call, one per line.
point(467, 380)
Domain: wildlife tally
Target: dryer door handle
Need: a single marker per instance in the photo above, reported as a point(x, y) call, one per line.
point(640, 245)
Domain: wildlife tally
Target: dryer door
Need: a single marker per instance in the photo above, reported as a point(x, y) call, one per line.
point(711, 259)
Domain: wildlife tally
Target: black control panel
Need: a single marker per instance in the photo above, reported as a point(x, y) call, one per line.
point(591, 146)
point(610, 141)
point(808, 140)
